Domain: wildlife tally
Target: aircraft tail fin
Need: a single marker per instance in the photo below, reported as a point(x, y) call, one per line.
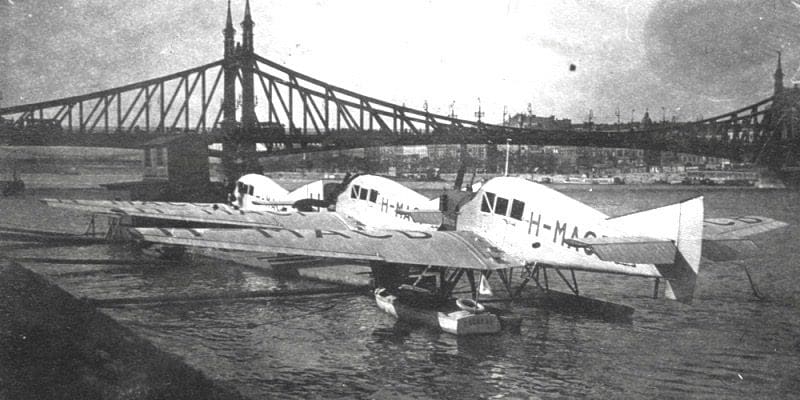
point(682, 223)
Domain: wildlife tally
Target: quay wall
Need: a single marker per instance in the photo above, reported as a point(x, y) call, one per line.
point(54, 346)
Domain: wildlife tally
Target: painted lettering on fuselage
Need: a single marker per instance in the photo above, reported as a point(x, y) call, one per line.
point(387, 206)
point(559, 229)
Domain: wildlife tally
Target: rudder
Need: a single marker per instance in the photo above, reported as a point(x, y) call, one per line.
point(682, 223)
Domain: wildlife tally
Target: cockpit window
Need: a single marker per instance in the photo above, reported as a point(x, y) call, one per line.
point(488, 202)
point(517, 208)
point(354, 191)
point(363, 194)
point(501, 207)
point(250, 190)
point(373, 196)
point(240, 187)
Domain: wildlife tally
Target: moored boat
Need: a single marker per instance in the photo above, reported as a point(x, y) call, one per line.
point(458, 317)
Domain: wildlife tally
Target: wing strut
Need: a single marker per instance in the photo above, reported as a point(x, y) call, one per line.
point(574, 285)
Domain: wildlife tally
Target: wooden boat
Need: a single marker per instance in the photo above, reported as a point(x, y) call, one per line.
point(458, 317)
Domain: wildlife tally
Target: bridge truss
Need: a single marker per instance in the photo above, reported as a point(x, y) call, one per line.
point(296, 112)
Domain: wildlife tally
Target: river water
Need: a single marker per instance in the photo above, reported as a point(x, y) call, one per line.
point(727, 344)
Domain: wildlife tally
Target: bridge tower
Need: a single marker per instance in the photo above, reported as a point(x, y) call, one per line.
point(230, 70)
point(239, 154)
point(780, 150)
point(247, 61)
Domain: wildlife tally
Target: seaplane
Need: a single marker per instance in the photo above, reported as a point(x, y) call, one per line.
point(261, 193)
point(509, 224)
point(256, 200)
point(259, 201)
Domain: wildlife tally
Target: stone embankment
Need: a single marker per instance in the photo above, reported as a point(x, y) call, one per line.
point(54, 346)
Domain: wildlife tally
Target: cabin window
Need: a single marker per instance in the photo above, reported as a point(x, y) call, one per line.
point(364, 193)
point(147, 161)
point(354, 191)
point(517, 207)
point(501, 207)
point(250, 190)
point(488, 202)
point(159, 157)
point(373, 196)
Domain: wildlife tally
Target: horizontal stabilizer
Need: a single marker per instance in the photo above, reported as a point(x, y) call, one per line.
point(283, 203)
point(429, 217)
point(738, 227)
point(728, 250)
point(634, 250)
point(307, 204)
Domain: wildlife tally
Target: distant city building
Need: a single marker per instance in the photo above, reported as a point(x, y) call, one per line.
point(646, 121)
point(530, 121)
point(421, 151)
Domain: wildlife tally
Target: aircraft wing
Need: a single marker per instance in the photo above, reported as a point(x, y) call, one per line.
point(104, 206)
point(633, 250)
point(204, 213)
point(438, 248)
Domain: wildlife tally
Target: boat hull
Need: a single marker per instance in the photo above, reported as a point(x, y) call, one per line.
point(459, 322)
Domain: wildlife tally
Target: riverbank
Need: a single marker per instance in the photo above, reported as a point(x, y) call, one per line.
point(54, 346)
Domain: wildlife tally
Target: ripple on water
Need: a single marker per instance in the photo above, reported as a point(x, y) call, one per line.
point(342, 346)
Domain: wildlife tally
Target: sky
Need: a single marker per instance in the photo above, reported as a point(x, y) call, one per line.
point(682, 58)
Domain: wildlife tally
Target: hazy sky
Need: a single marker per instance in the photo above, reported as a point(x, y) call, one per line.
point(691, 57)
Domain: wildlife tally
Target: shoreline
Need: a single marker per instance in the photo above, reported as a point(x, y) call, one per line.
point(53, 345)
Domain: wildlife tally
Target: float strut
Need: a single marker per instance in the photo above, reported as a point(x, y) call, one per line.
point(506, 281)
point(421, 275)
point(91, 229)
point(546, 283)
point(752, 285)
point(655, 288)
point(530, 274)
point(473, 289)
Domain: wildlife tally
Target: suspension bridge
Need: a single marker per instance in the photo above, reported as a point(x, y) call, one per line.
point(289, 111)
